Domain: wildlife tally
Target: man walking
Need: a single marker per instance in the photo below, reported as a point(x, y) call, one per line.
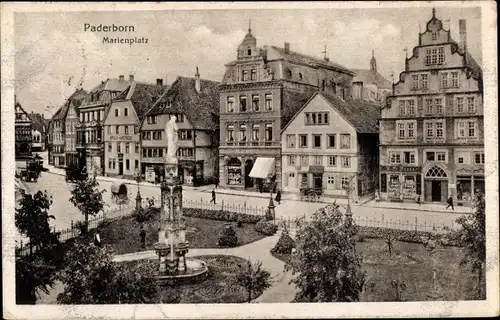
point(450, 203)
point(213, 196)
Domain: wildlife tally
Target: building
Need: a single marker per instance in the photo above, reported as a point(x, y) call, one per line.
point(23, 131)
point(260, 92)
point(431, 133)
point(70, 122)
point(195, 104)
point(331, 144)
point(50, 140)
point(89, 130)
point(58, 140)
point(121, 128)
point(38, 132)
point(370, 85)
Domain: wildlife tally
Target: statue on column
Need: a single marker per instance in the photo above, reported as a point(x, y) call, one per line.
point(172, 138)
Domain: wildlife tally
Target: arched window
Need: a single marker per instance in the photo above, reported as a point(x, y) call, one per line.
point(436, 172)
point(234, 162)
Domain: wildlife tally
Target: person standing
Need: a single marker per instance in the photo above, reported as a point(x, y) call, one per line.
point(142, 234)
point(213, 196)
point(418, 200)
point(278, 196)
point(450, 203)
point(97, 240)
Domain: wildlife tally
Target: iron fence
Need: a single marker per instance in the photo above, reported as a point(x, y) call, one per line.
point(239, 208)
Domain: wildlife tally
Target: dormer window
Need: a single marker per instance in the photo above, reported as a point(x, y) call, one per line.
point(434, 35)
point(249, 52)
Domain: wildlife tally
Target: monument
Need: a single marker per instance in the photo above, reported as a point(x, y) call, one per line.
point(172, 245)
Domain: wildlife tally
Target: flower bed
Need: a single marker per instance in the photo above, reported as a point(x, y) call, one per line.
point(220, 215)
point(403, 235)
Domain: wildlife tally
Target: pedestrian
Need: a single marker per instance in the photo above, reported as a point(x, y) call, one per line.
point(213, 196)
point(216, 182)
point(97, 240)
point(143, 237)
point(450, 203)
point(418, 200)
point(278, 196)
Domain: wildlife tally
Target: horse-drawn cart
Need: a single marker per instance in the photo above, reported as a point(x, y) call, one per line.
point(119, 193)
point(28, 171)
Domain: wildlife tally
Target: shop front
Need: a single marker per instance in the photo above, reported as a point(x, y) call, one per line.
point(233, 172)
point(186, 171)
point(469, 183)
point(399, 183)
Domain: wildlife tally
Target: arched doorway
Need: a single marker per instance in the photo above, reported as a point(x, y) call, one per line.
point(436, 184)
point(249, 182)
point(233, 171)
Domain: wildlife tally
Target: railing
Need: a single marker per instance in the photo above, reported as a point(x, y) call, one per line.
point(243, 208)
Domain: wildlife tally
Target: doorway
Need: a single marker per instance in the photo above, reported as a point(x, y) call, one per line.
point(436, 191)
point(249, 182)
point(120, 168)
point(318, 182)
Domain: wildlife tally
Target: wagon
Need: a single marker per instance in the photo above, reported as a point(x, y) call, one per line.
point(29, 172)
point(119, 193)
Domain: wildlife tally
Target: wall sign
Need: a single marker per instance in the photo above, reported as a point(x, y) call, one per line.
point(399, 168)
point(120, 138)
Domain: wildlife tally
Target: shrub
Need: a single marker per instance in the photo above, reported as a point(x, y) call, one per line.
point(269, 216)
point(265, 227)
point(220, 215)
point(145, 214)
point(403, 235)
point(227, 237)
point(239, 224)
point(284, 245)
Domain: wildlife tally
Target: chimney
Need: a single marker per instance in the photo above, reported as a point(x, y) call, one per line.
point(159, 82)
point(463, 34)
point(287, 47)
point(121, 77)
point(131, 78)
point(198, 82)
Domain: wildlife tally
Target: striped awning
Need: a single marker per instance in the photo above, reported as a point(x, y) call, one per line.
point(263, 168)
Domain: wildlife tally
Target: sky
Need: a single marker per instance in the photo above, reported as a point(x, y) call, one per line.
point(54, 55)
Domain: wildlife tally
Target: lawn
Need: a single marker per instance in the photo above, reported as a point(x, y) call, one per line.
point(219, 287)
point(410, 263)
point(123, 234)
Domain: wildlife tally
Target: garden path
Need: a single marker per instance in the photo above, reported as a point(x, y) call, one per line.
point(280, 290)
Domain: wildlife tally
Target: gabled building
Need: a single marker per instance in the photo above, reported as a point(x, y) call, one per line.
point(195, 104)
point(70, 122)
point(38, 132)
point(58, 140)
point(330, 144)
point(121, 127)
point(23, 131)
point(370, 85)
point(260, 92)
point(431, 133)
point(90, 132)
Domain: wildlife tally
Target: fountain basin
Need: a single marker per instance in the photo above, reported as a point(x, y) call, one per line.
point(197, 271)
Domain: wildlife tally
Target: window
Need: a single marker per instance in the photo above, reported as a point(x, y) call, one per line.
point(230, 133)
point(434, 129)
point(245, 75)
point(454, 79)
point(125, 112)
point(127, 164)
point(316, 140)
point(318, 160)
point(401, 130)
point(460, 105)
point(249, 52)
point(230, 104)
point(255, 132)
point(136, 163)
point(395, 157)
point(117, 129)
point(345, 162)
point(269, 132)
point(332, 161)
point(117, 112)
point(127, 148)
point(439, 105)
point(440, 55)
point(409, 157)
point(331, 140)
point(109, 129)
point(243, 132)
point(304, 160)
point(434, 36)
point(243, 103)
point(313, 118)
point(330, 182)
point(402, 107)
point(253, 74)
point(406, 129)
point(110, 147)
point(479, 157)
point(424, 78)
point(439, 130)
point(428, 55)
point(126, 129)
point(290, 140)
point(255, 102)
point(441, 156)
point(434, 56)
point(291, 160)
point(414, 83)
point(345, 141)
point(269, 102)
point(411, 107)
point(119, 147)
point(470, 105)
point(136, 149)
point(472, 129)
point(303, 140)
point(110, 164)
point(428, 106)
point(345, 182)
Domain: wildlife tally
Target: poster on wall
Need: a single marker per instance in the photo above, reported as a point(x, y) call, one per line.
point(150, 174)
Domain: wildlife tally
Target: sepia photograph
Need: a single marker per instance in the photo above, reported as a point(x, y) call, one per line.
point(316, 159)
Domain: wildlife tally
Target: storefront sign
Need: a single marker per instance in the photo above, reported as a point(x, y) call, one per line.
point(316, 169)
point(399, 168)
point(120, 138)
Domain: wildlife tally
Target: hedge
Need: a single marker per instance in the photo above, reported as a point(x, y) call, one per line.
point(404, 235)
point(220, 215)
point(265, 227)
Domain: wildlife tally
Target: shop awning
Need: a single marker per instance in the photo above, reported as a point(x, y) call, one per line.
point(263, 168)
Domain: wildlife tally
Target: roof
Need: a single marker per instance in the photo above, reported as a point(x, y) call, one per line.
point(142, 96)
point(470, 63)
point(363, 116)
point(305, 59)
point(371, 77)
point(112, 84)
point(293, 101)
point(200, 108)
point(76, 99)
point(38, 122)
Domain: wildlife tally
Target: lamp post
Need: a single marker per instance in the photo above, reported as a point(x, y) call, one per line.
point(138, 198)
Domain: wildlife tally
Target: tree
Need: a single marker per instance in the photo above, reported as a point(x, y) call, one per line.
point(91, 277)
point(87, 198)
point(253, 278)
point(472, 236)
point(326, 265)
point(36, 271)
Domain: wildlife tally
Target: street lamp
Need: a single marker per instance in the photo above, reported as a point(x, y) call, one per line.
point(138, 198)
